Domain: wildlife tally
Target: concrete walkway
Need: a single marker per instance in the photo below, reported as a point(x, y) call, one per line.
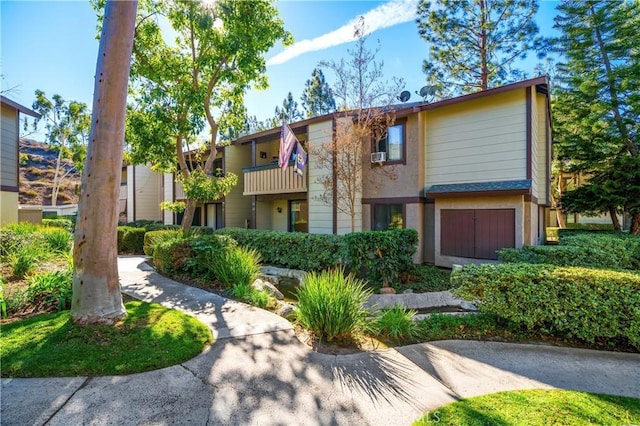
point(258, 373)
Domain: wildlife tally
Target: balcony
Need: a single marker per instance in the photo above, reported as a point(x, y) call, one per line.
point(270, 179)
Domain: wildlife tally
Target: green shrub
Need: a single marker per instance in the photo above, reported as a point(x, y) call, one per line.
point(395, 323)
point(381, 255)
point(588, 304)
point(151, 238)
point(131, 240)
point(246, 293)
point(63, 223)
point(235, 265)
point(203, 248)
point(58, 240)
point(296, 250)
point(16, 301)
point(55, 287)
point(171, 256)
point(17, 235)
point(23, 261)
point(624, 246)
point(330, 305)
point(3, 301)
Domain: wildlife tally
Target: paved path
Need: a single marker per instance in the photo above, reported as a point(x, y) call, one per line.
point(258, 373)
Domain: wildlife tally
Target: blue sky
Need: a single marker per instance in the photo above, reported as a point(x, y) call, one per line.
point(51, 46)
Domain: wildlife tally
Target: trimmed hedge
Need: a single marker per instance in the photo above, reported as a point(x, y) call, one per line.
point(381, 255)
point(596, 249)
point(296, 250)
point(584, 303)
point(130, 239)
point(151, 238)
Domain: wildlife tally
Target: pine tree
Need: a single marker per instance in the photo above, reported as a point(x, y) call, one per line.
point(317, 98)
point(597, 107)
point(473, 44)
point(289, 111)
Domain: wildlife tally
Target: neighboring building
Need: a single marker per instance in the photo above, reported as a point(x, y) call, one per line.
point(473, 175)
point(9, 158)
point(141, 192)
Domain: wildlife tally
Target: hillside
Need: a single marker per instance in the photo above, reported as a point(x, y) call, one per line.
point(37, 168)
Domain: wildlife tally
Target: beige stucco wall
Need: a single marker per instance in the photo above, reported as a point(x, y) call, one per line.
point(9, 147)
point(8, 207)
point(512, 202)
point(237, 207)
point(320, 213)
point(477, 141)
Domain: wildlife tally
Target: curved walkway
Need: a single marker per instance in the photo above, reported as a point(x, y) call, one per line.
point(258, 373)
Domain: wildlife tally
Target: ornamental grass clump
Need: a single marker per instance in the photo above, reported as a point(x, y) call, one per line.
point(330, 305)
point(235, 266)
point(395, 324)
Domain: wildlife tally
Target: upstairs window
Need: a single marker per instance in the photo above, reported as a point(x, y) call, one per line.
point(393, 144)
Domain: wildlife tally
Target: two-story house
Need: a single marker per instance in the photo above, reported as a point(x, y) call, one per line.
point(472, 175)
point(9, 158)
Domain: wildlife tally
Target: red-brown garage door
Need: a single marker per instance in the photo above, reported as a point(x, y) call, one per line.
point(476, 233)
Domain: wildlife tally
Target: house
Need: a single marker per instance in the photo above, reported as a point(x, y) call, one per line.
point(9, 158)
point(473, 175)
point(141, 192)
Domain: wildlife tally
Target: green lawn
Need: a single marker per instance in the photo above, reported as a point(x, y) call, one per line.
point(150, 337)
point(537, 407)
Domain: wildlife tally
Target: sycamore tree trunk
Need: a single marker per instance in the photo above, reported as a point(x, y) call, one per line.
point(96, 290)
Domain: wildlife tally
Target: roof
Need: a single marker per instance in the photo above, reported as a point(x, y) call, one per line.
point(21, 108)
point(402, 109)
point(511, 186)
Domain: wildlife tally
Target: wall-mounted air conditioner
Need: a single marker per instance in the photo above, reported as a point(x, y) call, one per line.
point(378, 157)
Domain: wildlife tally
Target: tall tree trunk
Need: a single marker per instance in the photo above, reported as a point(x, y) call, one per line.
point(635, 224)
point(56, 179)
point(484, 67)
point(96, 290)
point(189, 213)
point(614, 218)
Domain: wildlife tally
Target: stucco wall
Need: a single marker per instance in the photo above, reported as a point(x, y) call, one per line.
point(8, 207)
point(511, 202)
point(237, 207)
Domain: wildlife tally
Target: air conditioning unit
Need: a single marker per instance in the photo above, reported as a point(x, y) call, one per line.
point(378, 157)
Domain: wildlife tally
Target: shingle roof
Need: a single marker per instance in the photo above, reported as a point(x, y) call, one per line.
point(505, 185)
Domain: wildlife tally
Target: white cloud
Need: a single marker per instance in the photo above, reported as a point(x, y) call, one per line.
point(386, 15)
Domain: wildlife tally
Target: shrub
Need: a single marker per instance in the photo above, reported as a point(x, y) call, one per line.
point(246, 293)
point(296, 250)
point(63, 223)
point(130, 239)
point(58, 240)
point(588, 304)
point(395, 323)
point(330, 305)
point(381, 256)
point(55, 287)
point(151, 238)
point(203, 248)
point(170, 256)
point(17, 235)
point(625, 247)
point(235, 265)
point(23, 261)
point(3, 302)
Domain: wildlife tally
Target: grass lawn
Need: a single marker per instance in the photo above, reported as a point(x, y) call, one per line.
point(537, 407)
point(150, 337)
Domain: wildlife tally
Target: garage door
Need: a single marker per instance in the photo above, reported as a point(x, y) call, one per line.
point(476, 233)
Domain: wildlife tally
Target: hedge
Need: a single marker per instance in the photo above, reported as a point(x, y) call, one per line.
point(296, 250)
point(60, 222)
point(600, 249)
point(381, 255)
point(584, 303)
point(151, 238)
point(130, 239)
point(189, 255)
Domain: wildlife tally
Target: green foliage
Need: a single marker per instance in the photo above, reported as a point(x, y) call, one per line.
point(330, 305)
point(53, 288)
point(3, 301)
point(246, 293)
point(381, 256)
point(64, 223)
point(58, 240)
point(152, 238)
point(235, 265)
point(148, 338)
point(296, 250)
point(200, 187)
point(175, 206)
point(582, 303)
point(23, 261)
point(131, 240)
point(425, 278)
point(317, 97)
point(395, 324)
point(474, 45)
point(170, 256)
point(597, 249)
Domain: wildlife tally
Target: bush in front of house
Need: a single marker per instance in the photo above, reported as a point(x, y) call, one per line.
point(151, 238)
point(60, 222)
point(626, 247)
point(295, 250)
point(131, 239)
point(381, 256)
point(584, 303)
point(330, 305)
point(234, 266)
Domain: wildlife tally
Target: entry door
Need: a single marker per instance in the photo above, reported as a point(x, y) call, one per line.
point(211, 216)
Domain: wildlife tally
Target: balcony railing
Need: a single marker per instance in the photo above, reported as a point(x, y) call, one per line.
point(270, 179)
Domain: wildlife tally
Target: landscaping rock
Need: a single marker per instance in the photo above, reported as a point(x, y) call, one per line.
point(286, 310)
point(283, 272)
point(260, 285)
point(273, 279)
point(468, 306)
point(387, 290)
point(408, 291)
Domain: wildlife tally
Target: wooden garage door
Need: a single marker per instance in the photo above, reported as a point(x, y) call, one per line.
point(476, 233)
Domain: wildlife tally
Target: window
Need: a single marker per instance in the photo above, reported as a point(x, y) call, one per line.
point(392, 143)
point(298, 216)
point(388, 216)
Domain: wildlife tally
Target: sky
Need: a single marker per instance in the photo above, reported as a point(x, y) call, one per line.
point(51, 46)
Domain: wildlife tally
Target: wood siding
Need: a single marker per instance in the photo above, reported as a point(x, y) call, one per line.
point(274, 181)
point(477, 141)
point(237, 208)
point(536, 183)
point(147, 194)
point(320, 213)
point(542, 166)
point(167, 195)
point(9, 148)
